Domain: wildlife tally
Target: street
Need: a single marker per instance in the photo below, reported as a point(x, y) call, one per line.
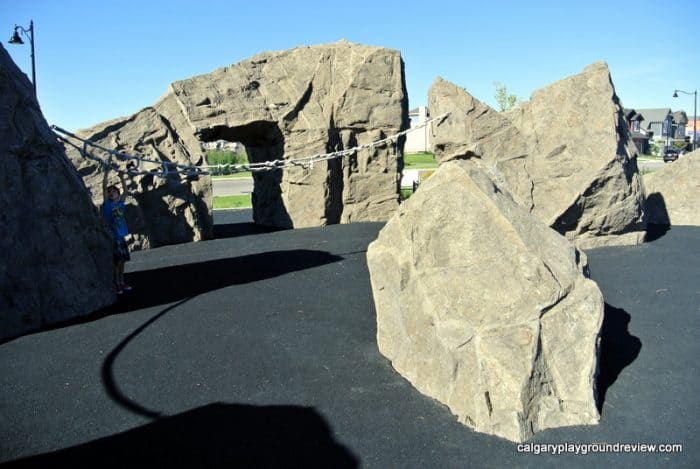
point(242, 186)
point(649, 165)
point(234, 186)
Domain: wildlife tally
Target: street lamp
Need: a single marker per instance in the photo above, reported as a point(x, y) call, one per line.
point(695, 114)
point(17, 39)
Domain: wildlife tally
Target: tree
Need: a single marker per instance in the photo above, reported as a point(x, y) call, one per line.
point(505, 101)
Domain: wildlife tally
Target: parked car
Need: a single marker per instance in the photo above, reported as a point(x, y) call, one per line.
point(671, 154)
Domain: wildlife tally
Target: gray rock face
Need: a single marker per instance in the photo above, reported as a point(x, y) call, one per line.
point(161, 211)
point(565, 155)
point(280, 105)
point(673, 192)
point(483, 307)
point(302, 102)
point(55, 253)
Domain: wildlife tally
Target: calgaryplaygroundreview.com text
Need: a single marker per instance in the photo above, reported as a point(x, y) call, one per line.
point(587, 448)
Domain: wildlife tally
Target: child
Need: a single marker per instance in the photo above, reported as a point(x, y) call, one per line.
point(113, 210)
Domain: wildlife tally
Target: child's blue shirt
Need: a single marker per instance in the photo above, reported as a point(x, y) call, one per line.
point(114, 214)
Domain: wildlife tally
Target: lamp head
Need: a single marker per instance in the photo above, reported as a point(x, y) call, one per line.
point(16, 39)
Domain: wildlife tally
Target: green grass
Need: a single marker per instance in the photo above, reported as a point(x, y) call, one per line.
point(242, 174)
point(406, 193)
point(419, 161)
point(232, 201)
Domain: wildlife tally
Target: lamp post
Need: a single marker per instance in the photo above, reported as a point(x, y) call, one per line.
point(695, 113)
point(17, 39)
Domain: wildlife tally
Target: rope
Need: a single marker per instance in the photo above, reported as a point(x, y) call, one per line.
point(167, 167)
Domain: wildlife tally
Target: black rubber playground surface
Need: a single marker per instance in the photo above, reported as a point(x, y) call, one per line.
point(258, 349)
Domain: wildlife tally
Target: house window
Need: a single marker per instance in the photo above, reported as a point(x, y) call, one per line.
point(635, 126)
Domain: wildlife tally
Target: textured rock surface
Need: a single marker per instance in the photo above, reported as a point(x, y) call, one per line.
point(566, 154)
point(483, 307)
point(55, 253)
point(160, 211)
point(290, 104)
point(673, 192)
point(302, 102)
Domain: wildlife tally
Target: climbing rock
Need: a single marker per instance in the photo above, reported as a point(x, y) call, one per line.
point(161, 210)
point(565, 155)
point(55, 252)
point(303, 102)
point(673, 192)
point(483, 307)
point(281, 105)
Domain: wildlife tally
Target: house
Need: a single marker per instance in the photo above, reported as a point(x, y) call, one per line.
point(657, 123)
point(223, 145)
point(634, 124)
point(691, 127)
point(680, 121)
point(418, 141)
point(663, 126)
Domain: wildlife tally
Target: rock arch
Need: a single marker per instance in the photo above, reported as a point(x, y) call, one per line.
point(289, 104)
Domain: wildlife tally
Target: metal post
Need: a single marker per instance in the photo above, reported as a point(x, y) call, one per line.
point(695, 121)
point(695, 113)
point(16, 39)
point(31, 43)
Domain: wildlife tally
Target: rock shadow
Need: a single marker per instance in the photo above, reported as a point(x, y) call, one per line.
point(215, 435)
point(657, 217)
point(171, 284)
point(174, 283)
point(233, 230)
point(618, 349)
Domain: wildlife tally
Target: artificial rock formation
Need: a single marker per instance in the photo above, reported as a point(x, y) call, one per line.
point(55, 252)
point(673, 192)
point(303, 102)
point(160, 210)
point(280, 105)
point(565, 155)
point(483, 307)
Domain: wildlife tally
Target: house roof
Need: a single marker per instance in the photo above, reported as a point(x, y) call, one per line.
point(632, 115)
point(680, 117)
point(654, 115)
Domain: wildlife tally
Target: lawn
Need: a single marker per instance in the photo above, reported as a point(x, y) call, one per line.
point(242, 174)
point(411, 161)
point(419, 161)
point(232, 201)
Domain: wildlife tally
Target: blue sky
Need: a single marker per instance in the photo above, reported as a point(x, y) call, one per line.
point(97, 60)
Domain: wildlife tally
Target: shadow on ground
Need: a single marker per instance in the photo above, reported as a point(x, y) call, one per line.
point(215, 435)
point(655, 232)
point(166, 285)
point(174, 283)
point(232, 230)
point(618, 349)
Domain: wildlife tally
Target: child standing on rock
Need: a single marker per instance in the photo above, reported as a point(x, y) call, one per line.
point(114, 210)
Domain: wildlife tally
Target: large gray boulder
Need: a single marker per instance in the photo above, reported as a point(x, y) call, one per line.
point(303, 102)
point(281, 105)
point(673, 192)
point(566, 154)
point(483, 307)
point(161, 210)
point(55, 252)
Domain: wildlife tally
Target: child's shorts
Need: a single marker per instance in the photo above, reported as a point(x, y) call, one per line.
point(120, 250)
